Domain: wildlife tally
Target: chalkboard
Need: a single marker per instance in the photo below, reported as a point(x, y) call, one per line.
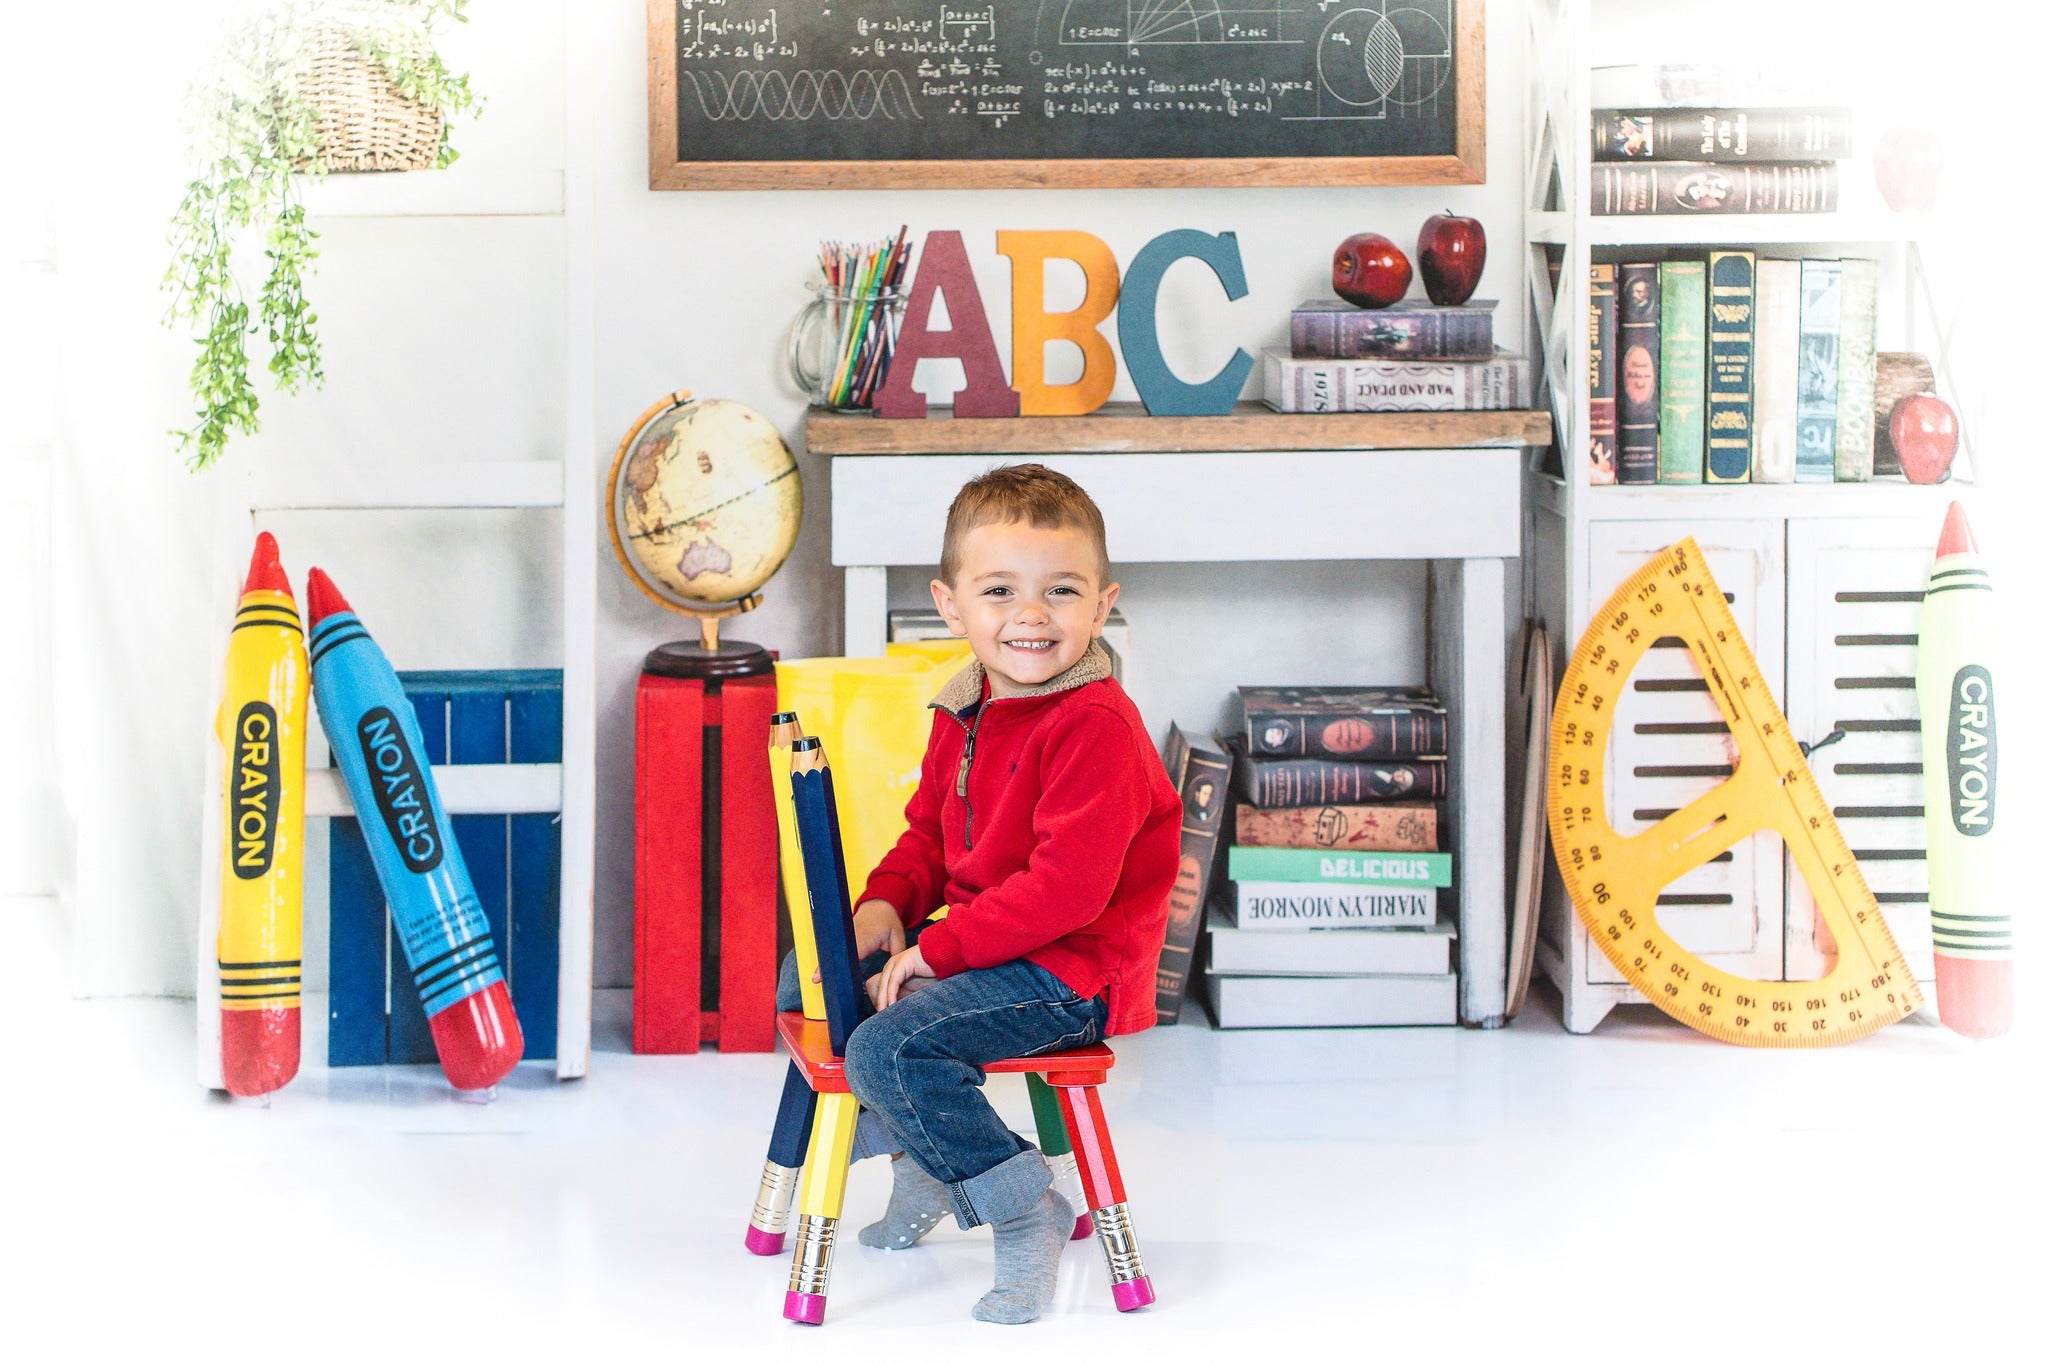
point(775, 94)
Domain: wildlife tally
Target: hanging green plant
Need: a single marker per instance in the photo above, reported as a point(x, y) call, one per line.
point(300, 87)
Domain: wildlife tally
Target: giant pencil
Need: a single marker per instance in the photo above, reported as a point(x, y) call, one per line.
point(1959, 755)
point(376, 742)
point(263, 728)
point(817, 823)
point(792, 1133)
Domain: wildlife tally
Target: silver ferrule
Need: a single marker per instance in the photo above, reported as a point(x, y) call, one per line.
point(1119, 1243)
point(810, 1270)
point(778, 1192)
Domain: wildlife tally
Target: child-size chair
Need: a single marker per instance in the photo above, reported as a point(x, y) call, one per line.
point(815, 1121)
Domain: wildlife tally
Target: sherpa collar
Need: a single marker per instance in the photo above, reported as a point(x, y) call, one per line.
point(963, 691)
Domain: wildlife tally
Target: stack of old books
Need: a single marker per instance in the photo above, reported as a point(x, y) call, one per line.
point(1328, 911)
point(1412, 356)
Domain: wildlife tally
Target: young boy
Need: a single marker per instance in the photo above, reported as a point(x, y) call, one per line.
point(1044, 820)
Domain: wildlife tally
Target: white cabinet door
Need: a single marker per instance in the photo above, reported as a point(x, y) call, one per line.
point(1853, 635)
point(1671, 744)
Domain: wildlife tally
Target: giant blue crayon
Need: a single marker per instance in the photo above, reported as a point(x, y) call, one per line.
point(376, 743)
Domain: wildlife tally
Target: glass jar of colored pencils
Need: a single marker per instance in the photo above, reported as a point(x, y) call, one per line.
point(841, 344)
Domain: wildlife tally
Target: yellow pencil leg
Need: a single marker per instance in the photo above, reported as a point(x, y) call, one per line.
point(819, 1205)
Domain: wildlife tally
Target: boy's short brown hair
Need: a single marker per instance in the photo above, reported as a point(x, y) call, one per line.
point(1030, 493)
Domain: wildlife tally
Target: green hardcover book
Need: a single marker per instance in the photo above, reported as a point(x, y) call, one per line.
point(1820, 337)
point(1856, 375)
point(1682, 372)
point(1731, 339)
point(1415, 870)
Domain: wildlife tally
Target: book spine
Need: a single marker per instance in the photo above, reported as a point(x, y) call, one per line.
point(1731, 344)
point(1371, 829)
point(1296, 905)
point(1622, 188)
point(1201, 823)
point(1270, 782)
point(1600, 323)
point(1820, 337)
point(1389, 733)
point(1682, 371)
point(1636, 379)
point(1326, 334)
point(1327, 867)
point(1721, 135)
point(1776, 415)
point(1856, 375)
point(1380, 385)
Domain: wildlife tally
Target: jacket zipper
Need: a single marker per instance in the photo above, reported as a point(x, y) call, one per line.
point(966, 762)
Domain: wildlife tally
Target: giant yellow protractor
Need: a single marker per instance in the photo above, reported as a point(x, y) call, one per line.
point(1614, 879)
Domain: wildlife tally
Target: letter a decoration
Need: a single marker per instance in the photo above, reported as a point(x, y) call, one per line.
point(943, 268)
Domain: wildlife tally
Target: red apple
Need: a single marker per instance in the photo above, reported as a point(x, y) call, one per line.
point(1923, 430)
point(1452, 253)
point(1369, 270)
point(1907, 163)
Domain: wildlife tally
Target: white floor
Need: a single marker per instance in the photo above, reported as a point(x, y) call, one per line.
point(1426, 1194)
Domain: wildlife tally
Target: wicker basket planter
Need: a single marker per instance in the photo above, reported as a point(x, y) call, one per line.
point(364, 122)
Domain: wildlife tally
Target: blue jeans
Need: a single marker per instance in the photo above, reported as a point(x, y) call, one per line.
point(917, 1067)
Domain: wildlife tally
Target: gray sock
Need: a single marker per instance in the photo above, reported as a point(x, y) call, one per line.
point(1028, 1251)
point(916, 1204)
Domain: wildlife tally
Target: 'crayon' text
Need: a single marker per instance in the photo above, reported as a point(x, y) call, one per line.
point(252, 804)
point(400, 789)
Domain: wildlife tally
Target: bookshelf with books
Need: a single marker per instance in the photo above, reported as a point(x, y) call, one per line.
point(1810, 563)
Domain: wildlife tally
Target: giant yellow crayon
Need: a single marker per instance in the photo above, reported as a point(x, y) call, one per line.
point(1959, 756)
point(262, 725)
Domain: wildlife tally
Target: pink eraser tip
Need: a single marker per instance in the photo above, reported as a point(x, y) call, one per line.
point(266, 574)
point(323, 599)
point(763, 1243)
point(1133, 1294)
point(1956, 538)
point(1083, 1229)
point(808, 1308)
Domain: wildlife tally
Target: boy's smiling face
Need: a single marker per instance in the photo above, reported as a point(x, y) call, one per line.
point(1028, 599)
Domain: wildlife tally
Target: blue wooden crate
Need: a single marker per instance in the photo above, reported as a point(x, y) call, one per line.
point(515, 862)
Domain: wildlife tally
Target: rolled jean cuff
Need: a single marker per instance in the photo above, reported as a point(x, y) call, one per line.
point(1002, 1192)
point(871, 1137)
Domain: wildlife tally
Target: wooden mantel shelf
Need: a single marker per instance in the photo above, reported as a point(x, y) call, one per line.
point(1118, 427)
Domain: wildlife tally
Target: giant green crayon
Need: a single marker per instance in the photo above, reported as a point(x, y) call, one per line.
point(1959, 757)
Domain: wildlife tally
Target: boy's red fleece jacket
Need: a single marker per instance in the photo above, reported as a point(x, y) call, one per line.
point(1055, 841)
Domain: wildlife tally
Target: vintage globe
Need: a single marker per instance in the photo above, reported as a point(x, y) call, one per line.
point(705, 503)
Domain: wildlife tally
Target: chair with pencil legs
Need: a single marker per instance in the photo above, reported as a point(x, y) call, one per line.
point(817, 1053)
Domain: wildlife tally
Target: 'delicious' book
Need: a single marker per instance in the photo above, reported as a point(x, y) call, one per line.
point(1395, 827)
point(1342, 722)
point(1270, 782)
point(1386, 384)
point(1775, 413)
point(1334, 329)
point(1682, 372)
point(1600, 358)
point(1246, 1001)
point(1635, 404)
point(1270, 906)
point(1804, 133)
point(1409, 950)
point(1856, 374)
point(1199, 767)
point(1820, 338)
point(1693, 187)
point(1731, 340)
point(1329, 868)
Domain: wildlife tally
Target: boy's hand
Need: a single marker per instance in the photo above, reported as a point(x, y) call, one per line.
point(876, 926)
point(890, 981)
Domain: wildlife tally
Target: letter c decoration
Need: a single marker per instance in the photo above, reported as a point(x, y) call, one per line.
point(1164, 394)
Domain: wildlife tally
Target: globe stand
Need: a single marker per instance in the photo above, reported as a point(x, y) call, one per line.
point(710, 658)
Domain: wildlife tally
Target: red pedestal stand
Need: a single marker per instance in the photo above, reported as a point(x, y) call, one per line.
point(704, 854)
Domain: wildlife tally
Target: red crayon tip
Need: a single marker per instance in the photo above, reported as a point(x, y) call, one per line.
point(259, 1049)
point(1974, 995)
point(323, 599)
point(1956, 538)
point(266, 574)
point(478, 1038)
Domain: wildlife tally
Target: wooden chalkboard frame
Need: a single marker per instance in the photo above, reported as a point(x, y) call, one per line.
point(667, 171)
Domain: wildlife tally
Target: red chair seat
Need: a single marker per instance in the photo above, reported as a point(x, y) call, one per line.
point(810, 1047)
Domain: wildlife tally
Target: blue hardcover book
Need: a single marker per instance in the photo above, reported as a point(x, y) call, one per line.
point(1731, 342)
point(1820, 338)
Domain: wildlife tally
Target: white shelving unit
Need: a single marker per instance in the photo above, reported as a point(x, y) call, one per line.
point(249, 493)
point(1823, 579)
